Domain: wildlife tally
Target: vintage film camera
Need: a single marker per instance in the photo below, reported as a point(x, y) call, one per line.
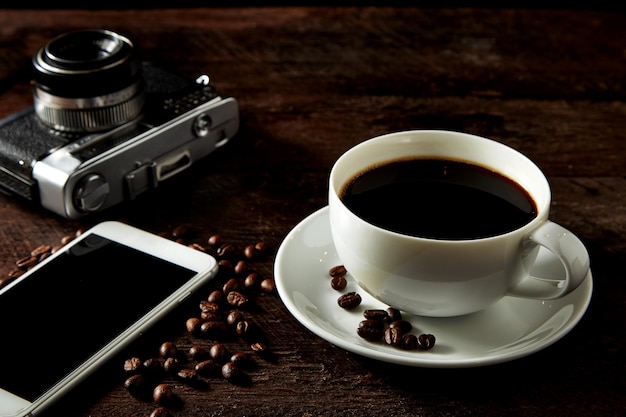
point(106, 127)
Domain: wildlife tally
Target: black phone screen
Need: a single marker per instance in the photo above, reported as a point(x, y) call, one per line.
point(62, 314)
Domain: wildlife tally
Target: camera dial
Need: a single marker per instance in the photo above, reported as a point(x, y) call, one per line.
point(87, 81)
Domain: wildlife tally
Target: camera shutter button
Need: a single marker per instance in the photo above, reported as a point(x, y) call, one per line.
point(91, 192)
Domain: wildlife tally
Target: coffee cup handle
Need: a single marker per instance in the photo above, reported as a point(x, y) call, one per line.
point(569, 250)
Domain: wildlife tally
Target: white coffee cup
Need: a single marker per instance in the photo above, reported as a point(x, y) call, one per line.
point(438, 277)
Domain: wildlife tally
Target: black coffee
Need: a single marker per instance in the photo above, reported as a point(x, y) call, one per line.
point(438, 199)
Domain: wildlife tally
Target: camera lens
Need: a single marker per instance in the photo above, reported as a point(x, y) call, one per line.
point(87, 81)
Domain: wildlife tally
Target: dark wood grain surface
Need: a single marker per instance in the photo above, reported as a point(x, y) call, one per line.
point(312, 82)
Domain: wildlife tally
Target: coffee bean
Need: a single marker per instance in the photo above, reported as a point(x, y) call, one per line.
point(170, 365)
point(425, 341)
point(349, 300)
point(393, 336)
point(241, 267)
point(162, 394)
point(394, 314)
point(135, 384)
point(181, 231)
point(258, 347)
point(197, 247)
point(375, 314)
point(253, 280)
point(237, 299)
point(213, 329)
point(167, 350)
point(268, 285)
point(338, 282)
point(27, 262)
point(197, 352)
point(187, 375)
point(41, 250)
point(402, 324)
point(207, 306)
point(337, 271)
point(246, 330)
point(242, 358)
point(232, 284)
point(152, 366)
point(216, 296)
point(133, 364)
point(408, 342)
point(209, 316)
point(218, 351)
point(193, 324)
point(226, 250)
point(232, 372)
point(207, 367)
point(371, 329)
point(251, 252)
point(234, 317)
point(215, 240)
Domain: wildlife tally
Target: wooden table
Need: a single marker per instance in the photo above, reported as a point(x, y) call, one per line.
point(312, 82)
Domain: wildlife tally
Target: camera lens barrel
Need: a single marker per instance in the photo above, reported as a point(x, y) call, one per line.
point(87, 81)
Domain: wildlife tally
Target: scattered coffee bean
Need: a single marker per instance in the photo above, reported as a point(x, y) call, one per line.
point(339, 282)
point(162, 394)
point(182, 231)
point(218, 351)
point(393, 336)
point(337, 271)
point(237, 299)
point(234, 317)
point(393, 314)
point(27, 262)
point(193, 324)
point(375, 314)
point(408, 342)
point(216, 296)
point(246, 330)
point(209, 316)
point(213, 329)
point(197, 352)
point(133, 364)
point(209, 307)
point(232, 372)
point(253, 280)
point(41, 250)
point(197, 247)
point(241, 267)
point(167, 350)
point(226, 250)
point(425, 341)
point(152, 366)
point(349, 300)
point(251, 252)
point(135, 384)
point(242, 358)
point(371, 329)
point(207, 367)
point(404, 325)
point(215, 240)
point(187, 375)
point(232, 284)
point(258, 347)
point(170, 365)
point(268, 285)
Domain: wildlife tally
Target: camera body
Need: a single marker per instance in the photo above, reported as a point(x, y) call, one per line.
point(73, 168)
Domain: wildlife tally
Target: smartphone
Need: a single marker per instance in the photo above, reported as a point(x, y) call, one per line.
point(82, 305)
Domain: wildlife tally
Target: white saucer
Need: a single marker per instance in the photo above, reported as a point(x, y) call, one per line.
point(510, 329)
